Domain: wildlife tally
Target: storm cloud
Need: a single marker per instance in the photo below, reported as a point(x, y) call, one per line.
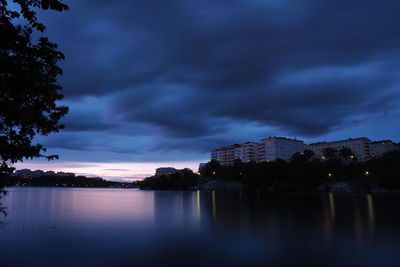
point(148, 76)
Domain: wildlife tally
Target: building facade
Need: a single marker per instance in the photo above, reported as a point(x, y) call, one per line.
point(224, 155)
point(245, 152)
point(269, 149)
point(378, 148)
point(273, 148)
point(359, 146)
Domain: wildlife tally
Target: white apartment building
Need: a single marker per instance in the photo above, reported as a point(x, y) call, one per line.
point(226, 156)
point(269, 149)
point(378, 148)
point(359, 146)
point(247, 152)
point(273, 148)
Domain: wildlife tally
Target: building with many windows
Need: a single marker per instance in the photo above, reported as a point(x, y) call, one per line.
point(272, 148)
point(225, 155)
point(245, 152)
point(269, 149)
point(359, 146)
point(378, 148)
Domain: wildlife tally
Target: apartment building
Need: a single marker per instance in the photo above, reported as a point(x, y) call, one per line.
point(359, 146)
point(269, 149)
point(272, 148)
point(226, 156)
point(247, 152)
point(378, 148)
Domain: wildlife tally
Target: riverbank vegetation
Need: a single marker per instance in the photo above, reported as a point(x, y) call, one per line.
point(303, 173)
point(62, 181)
point(181, 180)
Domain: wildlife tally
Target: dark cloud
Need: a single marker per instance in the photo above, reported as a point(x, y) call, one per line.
point(185, 71)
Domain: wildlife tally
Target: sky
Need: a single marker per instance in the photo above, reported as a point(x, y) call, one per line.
point(161, 83)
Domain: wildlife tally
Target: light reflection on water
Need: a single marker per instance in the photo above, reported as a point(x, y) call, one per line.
point(67, 227)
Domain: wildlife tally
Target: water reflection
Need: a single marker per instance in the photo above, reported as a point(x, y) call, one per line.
point(371, 214)
point(329, 221)
point(358, 222)
point(128, 226)
point(214, 206)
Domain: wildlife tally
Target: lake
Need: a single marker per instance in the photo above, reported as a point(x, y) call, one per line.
point(112, 227)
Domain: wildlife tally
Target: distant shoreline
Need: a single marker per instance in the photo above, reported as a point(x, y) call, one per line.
point(57, 181)
point(246, 191)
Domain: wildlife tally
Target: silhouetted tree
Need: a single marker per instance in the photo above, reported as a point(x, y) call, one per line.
point(306, 155)
point(346, 153)
point(28, 81)
point(330, 153)
point(297, 157)
point(212, 168)
point(181, 180)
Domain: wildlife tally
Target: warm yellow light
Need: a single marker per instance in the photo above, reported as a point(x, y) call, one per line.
point(366, 173)
point(330, 174)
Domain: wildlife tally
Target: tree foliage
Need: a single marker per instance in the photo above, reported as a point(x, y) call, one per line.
point(305, 173)
point(28, 81)
point(181, 180)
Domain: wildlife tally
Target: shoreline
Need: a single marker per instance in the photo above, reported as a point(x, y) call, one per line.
point(246, 191)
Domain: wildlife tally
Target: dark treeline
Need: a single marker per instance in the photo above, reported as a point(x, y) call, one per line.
point(304, 172)
point(182, 180)
point(61, 181)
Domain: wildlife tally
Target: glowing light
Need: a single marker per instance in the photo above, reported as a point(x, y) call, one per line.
point(330, 174)
point(366, 173)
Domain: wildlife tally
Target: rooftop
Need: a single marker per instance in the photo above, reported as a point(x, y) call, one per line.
point(341, 141)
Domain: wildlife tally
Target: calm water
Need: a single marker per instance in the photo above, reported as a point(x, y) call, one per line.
point(102, 227)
